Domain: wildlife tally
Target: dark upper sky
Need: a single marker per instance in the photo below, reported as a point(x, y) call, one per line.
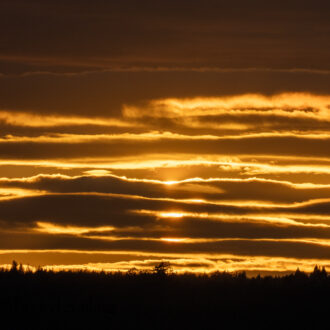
point(84, 35)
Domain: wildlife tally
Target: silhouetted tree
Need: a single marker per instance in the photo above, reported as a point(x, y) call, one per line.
point(133, 271)
point(300, 275)
point(21, 268)
point(318, 273)
point(241, 276)
point(324, 272)
point(14, 266)
point(163, 268)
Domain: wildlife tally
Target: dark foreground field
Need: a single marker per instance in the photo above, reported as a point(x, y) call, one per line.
point(161, 300)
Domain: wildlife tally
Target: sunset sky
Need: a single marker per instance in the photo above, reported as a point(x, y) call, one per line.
point(195, 132)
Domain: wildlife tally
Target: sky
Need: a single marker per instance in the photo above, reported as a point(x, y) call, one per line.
point(195, 132)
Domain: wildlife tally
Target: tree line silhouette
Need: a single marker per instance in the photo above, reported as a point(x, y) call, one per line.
point(162, 299)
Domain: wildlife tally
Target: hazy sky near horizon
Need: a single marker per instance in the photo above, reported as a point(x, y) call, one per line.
point(196, 132)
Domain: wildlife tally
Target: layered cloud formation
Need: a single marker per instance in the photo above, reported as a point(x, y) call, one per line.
point(194, 134)
point(244, 177)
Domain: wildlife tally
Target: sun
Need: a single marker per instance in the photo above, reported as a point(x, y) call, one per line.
point(173, 240)
point(170, 183)
point(171, 215)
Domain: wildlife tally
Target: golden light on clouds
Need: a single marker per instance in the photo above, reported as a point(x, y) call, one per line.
point(288, 104)
point(212, 163)
point(181, 136)
point(51, 228)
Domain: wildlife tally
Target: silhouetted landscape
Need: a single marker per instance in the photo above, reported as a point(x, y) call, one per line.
point(161, 299)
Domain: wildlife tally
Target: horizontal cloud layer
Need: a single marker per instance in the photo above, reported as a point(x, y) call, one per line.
point(254, 169)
